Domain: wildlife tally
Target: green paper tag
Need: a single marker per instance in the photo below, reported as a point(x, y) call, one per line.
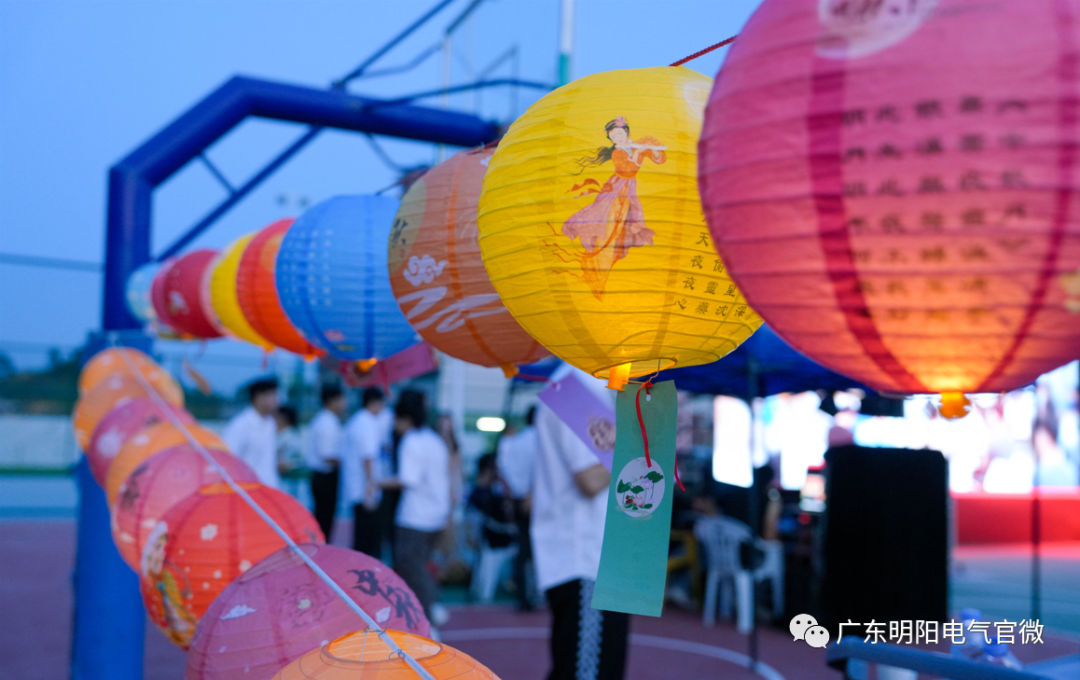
point(633, 563)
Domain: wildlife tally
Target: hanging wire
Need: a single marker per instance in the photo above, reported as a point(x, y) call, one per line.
point(239, 490)
point(383, 156)
point(705, 51)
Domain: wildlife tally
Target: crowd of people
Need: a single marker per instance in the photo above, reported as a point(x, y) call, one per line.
point(542, 493)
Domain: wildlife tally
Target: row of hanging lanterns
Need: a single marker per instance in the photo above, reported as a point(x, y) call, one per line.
point(917, 237)
point(214, 576)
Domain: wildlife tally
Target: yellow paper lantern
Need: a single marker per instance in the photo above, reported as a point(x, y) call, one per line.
point(222, 292)
point(592, 232)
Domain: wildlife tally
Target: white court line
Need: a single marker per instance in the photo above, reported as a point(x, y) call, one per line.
point(764, 670)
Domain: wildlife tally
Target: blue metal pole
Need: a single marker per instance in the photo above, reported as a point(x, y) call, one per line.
point(109, 618)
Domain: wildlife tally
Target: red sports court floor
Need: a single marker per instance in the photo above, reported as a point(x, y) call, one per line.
point(36, 559)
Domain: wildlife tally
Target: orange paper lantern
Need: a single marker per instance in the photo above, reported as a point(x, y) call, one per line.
point(256, 292)
point(160, 482)
point(148, 442)
point(114, 391)
point(438, 276)
point(364, 656)
point(204, 542)
point(119, 360)
point(894, 186)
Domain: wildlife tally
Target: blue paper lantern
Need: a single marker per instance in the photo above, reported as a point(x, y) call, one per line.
point(137, 292)
point(333, 281)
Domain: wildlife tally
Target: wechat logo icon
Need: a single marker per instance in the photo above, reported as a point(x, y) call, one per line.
point(805, 627)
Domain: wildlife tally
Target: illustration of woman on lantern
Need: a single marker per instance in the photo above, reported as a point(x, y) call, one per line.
point(614, 222)
point(159, 575)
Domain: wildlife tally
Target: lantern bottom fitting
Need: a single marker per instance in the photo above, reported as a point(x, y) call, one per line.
point(509, 370)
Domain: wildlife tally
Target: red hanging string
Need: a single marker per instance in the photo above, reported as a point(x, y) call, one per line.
point(708, 49)
point(645, 435)
point(534, 378)
point(647, 385)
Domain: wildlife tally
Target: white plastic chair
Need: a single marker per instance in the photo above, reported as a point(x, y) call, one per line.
point(720, 538)
point(487, 573)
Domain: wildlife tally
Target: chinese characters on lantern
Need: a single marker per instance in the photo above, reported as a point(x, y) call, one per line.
point(975, 198)
point(705, 296)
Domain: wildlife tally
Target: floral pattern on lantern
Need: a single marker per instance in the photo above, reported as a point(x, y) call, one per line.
point(437, 273)
point(177, 295)
point(119, 425)
point(148, 442)
point(207, 540)
point(279, 610)
point(160, 482)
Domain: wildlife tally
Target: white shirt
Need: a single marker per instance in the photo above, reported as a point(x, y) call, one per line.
point(517, 461)
point(567, 528)
point(424, 471)
point(323, 441)
point(367, 437)
point(253, 438)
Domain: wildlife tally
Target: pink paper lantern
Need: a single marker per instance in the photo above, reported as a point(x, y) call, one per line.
point(895, 186)
point(160, 482)
point(119, 425)
point(280, 610)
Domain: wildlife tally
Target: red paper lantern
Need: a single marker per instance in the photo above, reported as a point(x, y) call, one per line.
point(207, 540)
point(256, 291)
point(280, 610)
point(437, 274)
point(895, 186)
point(364, 656)
point(177, 295)
point(119, 425)
point(160, 482)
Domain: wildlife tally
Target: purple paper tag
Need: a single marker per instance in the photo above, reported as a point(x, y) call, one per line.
point(589, 416)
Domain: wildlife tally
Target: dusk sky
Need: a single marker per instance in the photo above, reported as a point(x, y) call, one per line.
point(84, 83)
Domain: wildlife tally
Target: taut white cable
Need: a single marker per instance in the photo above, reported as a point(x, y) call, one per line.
point(420, 670)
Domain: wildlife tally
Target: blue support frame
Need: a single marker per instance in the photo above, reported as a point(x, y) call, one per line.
point(109, 621)
point(133, 180)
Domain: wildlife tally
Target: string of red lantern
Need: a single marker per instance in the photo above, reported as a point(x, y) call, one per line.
point(242, 493)
point(705, 51)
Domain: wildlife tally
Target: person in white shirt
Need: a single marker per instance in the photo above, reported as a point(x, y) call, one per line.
point(517, 466)
point(570, 496)
point(323, 456)
point(367, 439)
point(252, 434)
point(424, 478)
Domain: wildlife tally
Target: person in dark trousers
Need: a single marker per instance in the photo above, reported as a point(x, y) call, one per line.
point(424, 479)
point(570, 498)
point(517, 467)
point(493, 503)
point(367, 443)
point(324, 456)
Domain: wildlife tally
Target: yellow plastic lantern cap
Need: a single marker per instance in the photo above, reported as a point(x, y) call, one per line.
point(592, 231)
point(222, 291)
